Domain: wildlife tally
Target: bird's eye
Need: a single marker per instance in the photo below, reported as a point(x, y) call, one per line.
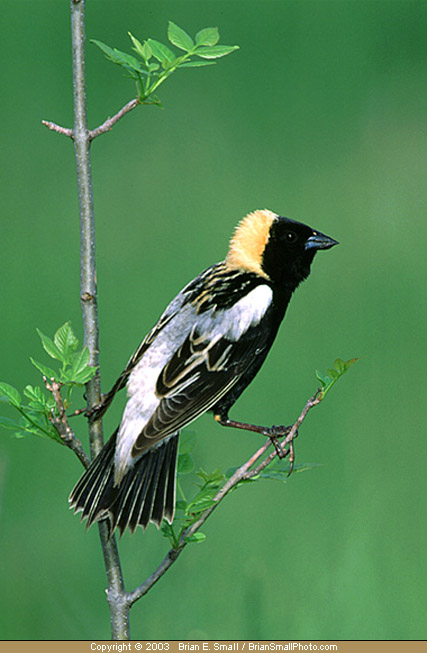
point(291, 237)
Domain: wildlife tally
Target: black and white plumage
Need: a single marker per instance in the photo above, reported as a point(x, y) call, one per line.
point(200, 356)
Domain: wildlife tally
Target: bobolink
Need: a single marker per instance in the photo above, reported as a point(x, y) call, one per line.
point(200, 356)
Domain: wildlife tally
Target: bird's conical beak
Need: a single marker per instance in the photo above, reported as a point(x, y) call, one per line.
point(320, 241)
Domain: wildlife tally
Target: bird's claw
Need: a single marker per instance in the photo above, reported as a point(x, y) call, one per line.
point(276, 432)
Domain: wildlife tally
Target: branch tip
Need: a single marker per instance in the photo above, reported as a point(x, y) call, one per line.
point(59, 420)
point(110, 122)
point(58, 129)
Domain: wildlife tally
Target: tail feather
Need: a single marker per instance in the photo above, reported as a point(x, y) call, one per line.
point(170, 490)
point(137, 496)
point(136, 503)
point(86, 495)
point(160, 497)
point(146, 492)
point(147, 507)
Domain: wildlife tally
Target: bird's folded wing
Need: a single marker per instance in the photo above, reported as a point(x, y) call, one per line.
point(194, 380)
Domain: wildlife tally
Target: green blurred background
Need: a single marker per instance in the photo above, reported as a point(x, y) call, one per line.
point(320, 116)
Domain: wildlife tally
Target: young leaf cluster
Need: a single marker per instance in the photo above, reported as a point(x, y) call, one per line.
point(74, 371)
point(155, 62)
point(34, 415)
point(328, 380)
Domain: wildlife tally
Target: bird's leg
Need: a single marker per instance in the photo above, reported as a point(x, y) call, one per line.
point(272, 432)
point(97, 411)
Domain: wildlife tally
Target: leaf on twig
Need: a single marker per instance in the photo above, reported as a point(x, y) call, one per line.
point(196, 537)
point(187, 441)
point(81, 372)
point(8, 423)
point(328, 381)
point(280, 472)
point(161, 52)
point(143, 49)
point(179, 37)
point(204, 46)
point(66, 341)
point(207, 36)
point(10, 394)
point(42, 409)
point(185, 463)
point(216, 51)
point(197, 64)
point(49, 346)
point(48, 372)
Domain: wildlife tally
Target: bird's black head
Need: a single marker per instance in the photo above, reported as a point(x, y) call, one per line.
point(275, 248)
point(290, 249)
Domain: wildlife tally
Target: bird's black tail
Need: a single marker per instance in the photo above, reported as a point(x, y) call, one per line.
point(146, 493)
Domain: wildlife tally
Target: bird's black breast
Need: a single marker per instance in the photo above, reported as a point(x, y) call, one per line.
point(258, 340)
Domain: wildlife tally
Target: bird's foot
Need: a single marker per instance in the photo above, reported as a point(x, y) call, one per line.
point(92, 413)
point(276, 432)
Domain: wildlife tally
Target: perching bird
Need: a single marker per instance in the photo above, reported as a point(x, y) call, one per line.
point(200, 356)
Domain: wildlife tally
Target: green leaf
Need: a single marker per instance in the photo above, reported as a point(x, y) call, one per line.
point(38, 400)
point(66, 341)
point(105, 48)
point(34, 394)
point(185, 463)
point(84, 375)
point(178, 37)
point(48, 433)
point(215, 478)
point(196, 537)
point(281, 473)
point(127, 61)
point(340, 367)
point(8, 423)
point(44, 369)
point(197, 64)
point(12, 395)
point(80, 361)
point(187, 442)
point(215, 51)
point(50, 347)
point(80, 371)
point(323, 380)
point(161, 52)
point(201, 502)
point(207, 36)
point(143, 50)
point(276, 475)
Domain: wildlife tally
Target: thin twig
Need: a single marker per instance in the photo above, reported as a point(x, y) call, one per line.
point(61, 424)
point(119, 612)
point(110, 122)
point(106, 126)
point(313, 401)
point(242, 473)
point(57, 128)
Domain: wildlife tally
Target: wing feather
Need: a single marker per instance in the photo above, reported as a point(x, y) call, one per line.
point(195, 379)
